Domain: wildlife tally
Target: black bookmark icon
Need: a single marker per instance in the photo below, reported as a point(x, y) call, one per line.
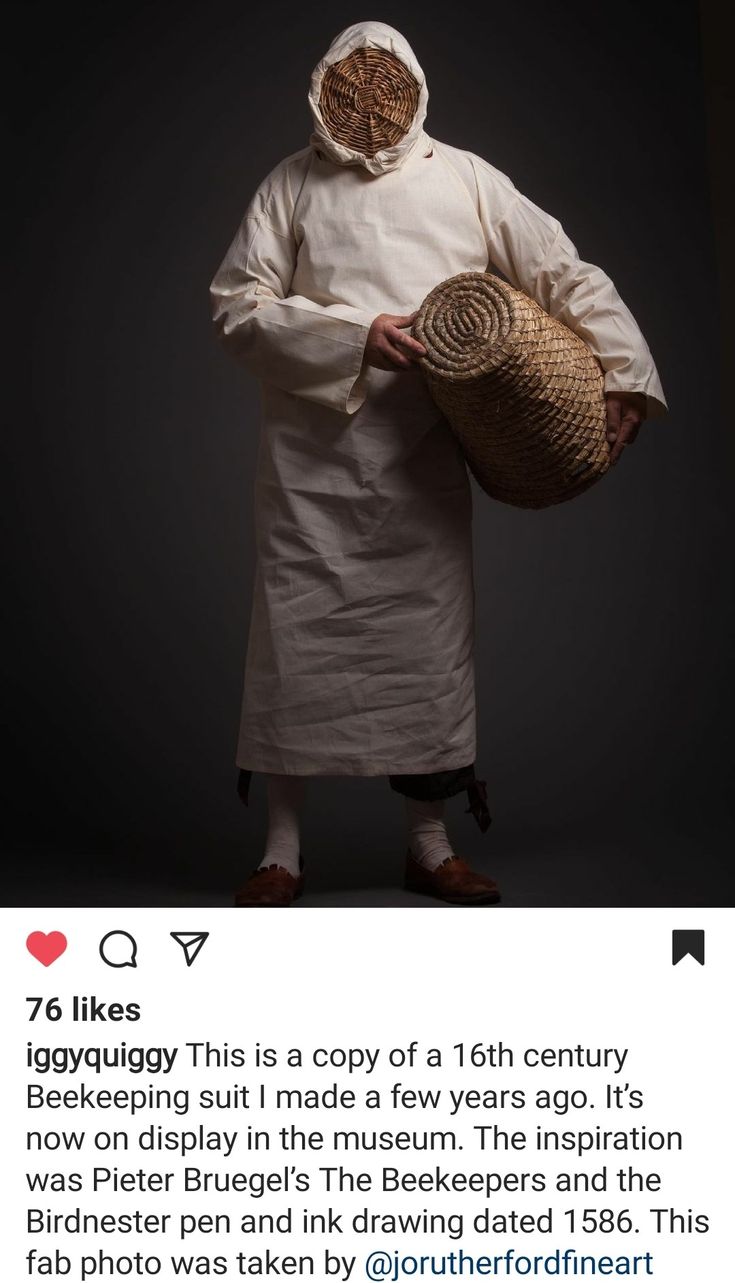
point(191, 942)
point(687, 942)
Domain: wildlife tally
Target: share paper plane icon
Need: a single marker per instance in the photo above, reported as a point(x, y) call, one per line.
point(191, 942)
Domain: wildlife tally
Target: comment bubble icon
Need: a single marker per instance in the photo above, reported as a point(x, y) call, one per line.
point(119, 949)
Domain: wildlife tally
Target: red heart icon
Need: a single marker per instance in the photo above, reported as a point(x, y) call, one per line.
point(47, 948)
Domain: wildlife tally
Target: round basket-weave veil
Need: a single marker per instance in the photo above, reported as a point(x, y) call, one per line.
point(523, 394)
point(368, 100)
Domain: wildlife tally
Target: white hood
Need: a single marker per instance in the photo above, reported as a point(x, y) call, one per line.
point(376, 35)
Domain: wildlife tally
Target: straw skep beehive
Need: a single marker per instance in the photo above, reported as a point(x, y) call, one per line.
point(523, 394)
point(368, 100)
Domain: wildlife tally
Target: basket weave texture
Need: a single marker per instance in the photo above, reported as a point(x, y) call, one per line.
point(368, 100)
point(523, 394)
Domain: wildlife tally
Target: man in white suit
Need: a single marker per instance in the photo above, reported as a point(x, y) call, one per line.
point(361, 648)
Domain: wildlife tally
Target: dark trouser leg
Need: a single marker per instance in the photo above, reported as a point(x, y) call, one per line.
point(438, 785)
point(450, 879)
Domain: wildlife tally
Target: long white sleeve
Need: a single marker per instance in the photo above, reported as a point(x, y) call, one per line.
point(533, 251)
point(311, 350)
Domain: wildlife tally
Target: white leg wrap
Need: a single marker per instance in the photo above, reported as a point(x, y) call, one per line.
point(286, 796)
point(427, 834)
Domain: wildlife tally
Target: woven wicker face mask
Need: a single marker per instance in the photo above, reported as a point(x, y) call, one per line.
point(368, 100)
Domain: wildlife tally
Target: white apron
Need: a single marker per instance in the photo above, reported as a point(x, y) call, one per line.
point(360, 652)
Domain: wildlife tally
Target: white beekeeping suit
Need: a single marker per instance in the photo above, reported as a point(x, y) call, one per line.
point(360, 654)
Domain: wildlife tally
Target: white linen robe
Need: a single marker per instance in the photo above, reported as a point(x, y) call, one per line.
point(360, 652)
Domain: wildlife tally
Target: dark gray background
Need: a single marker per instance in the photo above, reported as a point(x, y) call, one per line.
point(604, 631)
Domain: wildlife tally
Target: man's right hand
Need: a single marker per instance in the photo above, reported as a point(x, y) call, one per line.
point(388, 347)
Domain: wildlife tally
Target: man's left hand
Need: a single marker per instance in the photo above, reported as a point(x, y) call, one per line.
point(625, 414)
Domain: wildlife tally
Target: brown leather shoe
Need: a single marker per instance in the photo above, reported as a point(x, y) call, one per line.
point(453, 881)
point(270, 887)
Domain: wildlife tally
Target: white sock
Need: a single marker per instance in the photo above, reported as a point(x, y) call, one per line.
point(427, 834)
point(286, 795)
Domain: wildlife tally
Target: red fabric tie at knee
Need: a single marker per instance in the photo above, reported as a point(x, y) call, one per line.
point(243, 785)
point(477, 796)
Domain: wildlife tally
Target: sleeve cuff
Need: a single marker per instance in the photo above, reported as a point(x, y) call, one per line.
point(656, 404)
point(351, 392)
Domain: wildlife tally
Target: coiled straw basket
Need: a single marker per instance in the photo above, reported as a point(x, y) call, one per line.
point(368, 100)
point(523, 394)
